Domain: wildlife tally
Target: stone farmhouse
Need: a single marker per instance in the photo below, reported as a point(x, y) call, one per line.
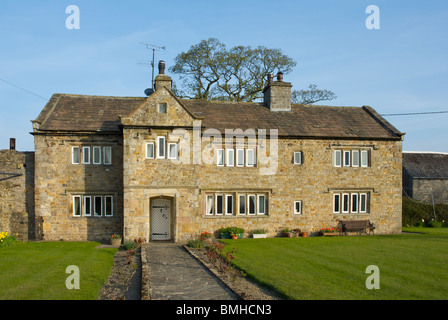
point(165, 168)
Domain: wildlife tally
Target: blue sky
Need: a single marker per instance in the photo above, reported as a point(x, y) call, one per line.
point(400, 68)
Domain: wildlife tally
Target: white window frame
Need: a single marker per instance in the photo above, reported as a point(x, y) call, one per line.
point(107, 151)
point(240, 158)
point(300, 207)
point(208, 206)
point(355, 156)
point(175, 151)
point(261, 196)
point(338, 158)
point(251, 196)
point(227, 197)
point(89, 206)
point(220, 157)
point(96, 149)
point(219, 195)
point(111, 206)
point(338, 196)
point(299, 160)
point(354, 196)
point(250, 161)
point(153, 150)
point(95, 208)
point(343, 203)
point(230, 157)
point(243, 203)
point(366, 202)
point(346, 159)
point(77, 207)
point(86, 152)
point(78, 153)
point(161, 141)
point(366, 153)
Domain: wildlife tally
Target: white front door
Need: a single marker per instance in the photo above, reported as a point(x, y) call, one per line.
point(161, 219)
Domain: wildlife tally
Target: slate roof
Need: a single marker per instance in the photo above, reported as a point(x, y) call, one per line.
point(426, 165)
point(81, 113)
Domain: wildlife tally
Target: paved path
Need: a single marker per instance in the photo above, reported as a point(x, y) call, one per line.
point(175, 275)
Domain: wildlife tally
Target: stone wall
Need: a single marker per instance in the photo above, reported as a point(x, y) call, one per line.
point(17, 194)
point(58, 180)
point(426, 190)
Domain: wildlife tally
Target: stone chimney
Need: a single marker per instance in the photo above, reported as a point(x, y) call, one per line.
point(277, 94)
point(162, 80)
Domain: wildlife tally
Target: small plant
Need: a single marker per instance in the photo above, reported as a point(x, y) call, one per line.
point(329, 230)
point(259, 231)
point(196, 243)
point(115, 236)
point(6, 240)
point(128, 245)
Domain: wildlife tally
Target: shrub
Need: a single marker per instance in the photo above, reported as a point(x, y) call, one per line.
point(130, 245)
point(421, 214)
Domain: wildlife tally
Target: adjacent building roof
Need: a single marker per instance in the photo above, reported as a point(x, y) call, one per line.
point(82, 113)
point(426, 165)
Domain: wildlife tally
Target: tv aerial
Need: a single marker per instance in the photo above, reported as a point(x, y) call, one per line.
point(154, 48)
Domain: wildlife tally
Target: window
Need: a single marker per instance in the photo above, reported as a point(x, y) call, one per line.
point(161, 147)
point(98, 206)
point(242, 204)
point(219, 204)
point(251, 205)
point(297, 157)
point(107, 155)
point(230, 157)
point(220, 157)
point(364, 158)
point(240, 157)
point(345, 202)
point(96, 155)
point(351, 158)
point(108, 206)
point(336, 203)
point(87, 206)
point(363, 203)
point(150, 150)
point(76, 155)
point(297, 207)
point(172, 151)
point(337, 158)
point(346, 158)
point(351, 202)
point(355, 158)
point(229, 204)
point(210, 204)
point(250, 157)
point(261, 204)
point(86, 155)
point(162, 108)
point(76, 206)
point(354, 205)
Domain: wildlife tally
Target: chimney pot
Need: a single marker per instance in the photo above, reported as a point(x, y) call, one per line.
point(12, 144)
point(161, 67)
point(280, 76)
point(270, 78)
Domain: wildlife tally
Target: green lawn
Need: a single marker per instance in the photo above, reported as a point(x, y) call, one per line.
point(411, 266)
point(37, 270)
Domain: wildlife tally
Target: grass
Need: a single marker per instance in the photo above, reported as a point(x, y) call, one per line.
point(412, 266)
point(37, 270)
